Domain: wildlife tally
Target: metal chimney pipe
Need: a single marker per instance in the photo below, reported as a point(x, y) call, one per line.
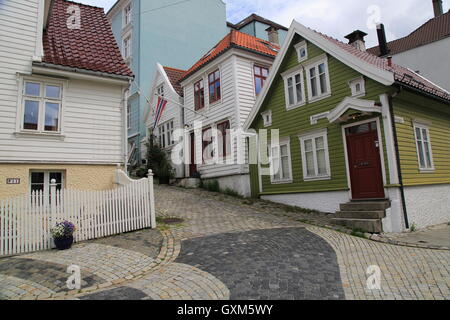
point(382, 40)
point(437, 7)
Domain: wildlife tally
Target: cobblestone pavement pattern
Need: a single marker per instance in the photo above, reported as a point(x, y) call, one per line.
point(229, 248)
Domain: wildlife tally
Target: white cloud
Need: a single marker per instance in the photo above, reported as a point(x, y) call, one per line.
point(336, 18)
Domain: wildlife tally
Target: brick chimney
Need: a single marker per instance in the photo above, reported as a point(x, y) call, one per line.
point(273, 35)
point(356, 39)
point(437, 7)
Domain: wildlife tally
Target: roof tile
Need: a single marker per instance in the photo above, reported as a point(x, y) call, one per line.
point(238, 40)
point(433, 30)
point(174, 76)
point(93, 47)
point(401, 74)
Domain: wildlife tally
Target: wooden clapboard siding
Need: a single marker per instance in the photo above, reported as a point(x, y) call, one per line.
point(297, 121)
point(92, 126)
point(410, 107)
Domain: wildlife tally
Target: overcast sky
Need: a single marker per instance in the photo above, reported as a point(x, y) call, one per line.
point(336, 18)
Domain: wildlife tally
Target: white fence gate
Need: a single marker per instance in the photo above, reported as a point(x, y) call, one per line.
point(25, 221)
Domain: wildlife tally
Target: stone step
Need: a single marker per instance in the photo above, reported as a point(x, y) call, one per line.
point(379, 214)
point(366, 225)
point(365, 206)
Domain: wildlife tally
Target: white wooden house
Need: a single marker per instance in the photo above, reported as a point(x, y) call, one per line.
point(62, 97)
point(165, 84)
point(220, 90)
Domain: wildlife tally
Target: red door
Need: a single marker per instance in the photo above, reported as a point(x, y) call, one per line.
point(364, 161)
point(192, 165)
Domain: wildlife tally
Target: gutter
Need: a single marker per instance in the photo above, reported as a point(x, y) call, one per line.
point(397, 155)
point(83, 71)
point(433, 96)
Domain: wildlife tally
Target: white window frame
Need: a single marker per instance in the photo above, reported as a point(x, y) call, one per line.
point(283, 142)
point(298, 47)
point(43, 82)
point(321, 60)
point(160, 90)
point(165, 134)
point(125, 38)
point(423, 126)
point(47, 179)
point(127, 15)
point(267, 118)
point(312, 136)
point(353, 84)
point(292, 75)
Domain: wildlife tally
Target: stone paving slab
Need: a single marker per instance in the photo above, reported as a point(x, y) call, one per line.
point(286, 264)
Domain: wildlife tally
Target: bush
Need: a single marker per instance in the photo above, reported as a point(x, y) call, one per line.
point(158, 161)
point(141, 172)
point(212, 185)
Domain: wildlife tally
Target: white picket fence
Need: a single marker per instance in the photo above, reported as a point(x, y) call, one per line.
point(25, 221)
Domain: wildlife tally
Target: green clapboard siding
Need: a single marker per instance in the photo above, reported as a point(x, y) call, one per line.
point(297, 121)
point(410, 107)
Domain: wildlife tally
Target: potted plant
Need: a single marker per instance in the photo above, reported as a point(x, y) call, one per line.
point(62, 235)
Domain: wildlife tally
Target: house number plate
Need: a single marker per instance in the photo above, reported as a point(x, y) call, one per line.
point(12, 181)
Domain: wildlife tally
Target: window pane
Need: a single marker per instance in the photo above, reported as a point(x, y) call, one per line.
point(427, 154)
point(421, 156)
point(276, 171)
point(258, 71)
point(258, 85)
point(310, 164)
point(32, 89)
point(284, 150)
point(313, 87)
point(321, 164)
point(37, 177)
point(53, 92)
point(321, 68)
point(57, 176)
point(424, 135)
point(265, 72)
point(418, 134)
point(51, 116)
point(323, 84)
point(308, 145)
point(31, 115)
point(285, 167)
point(319, 143)
point(291, 95)
point(299, 92)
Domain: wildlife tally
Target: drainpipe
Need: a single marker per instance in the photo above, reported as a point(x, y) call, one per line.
point(397, 154)
point(126, 93)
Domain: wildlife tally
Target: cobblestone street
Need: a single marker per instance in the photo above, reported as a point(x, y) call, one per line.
point(227, 248)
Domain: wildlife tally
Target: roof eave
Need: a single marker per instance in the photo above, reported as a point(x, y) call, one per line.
point(87, 72)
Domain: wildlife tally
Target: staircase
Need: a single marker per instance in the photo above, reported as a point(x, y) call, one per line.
point(363, 215)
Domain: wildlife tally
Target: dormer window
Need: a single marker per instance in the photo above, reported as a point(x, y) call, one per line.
point(127, 14)
point(267, 118)
point(302, 51)
point(357, 87)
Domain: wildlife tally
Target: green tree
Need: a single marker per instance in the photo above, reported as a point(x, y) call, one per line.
point(158, 161)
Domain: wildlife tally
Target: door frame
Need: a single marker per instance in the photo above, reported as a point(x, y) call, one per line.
point(381, 149)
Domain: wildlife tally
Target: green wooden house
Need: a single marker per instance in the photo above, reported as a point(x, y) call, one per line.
point(359, 136)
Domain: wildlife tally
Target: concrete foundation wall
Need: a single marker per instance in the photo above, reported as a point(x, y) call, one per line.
point(320, 201)
point(428, 205)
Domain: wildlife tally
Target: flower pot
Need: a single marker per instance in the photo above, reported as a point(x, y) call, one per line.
point(63, 243)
